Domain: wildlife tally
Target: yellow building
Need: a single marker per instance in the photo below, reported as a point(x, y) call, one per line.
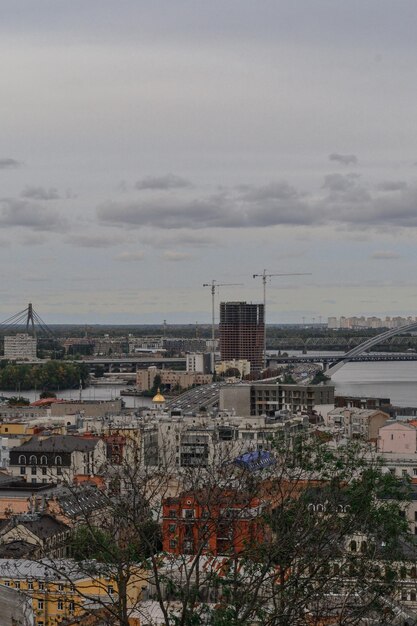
point(60, 589)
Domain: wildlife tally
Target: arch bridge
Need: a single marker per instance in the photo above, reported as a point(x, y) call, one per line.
point(366, 345)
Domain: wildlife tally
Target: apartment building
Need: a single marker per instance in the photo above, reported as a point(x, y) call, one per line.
point(219, 523)
point(354, 423)
point(270, 398)
point(57, 458)
point(21, 346)
point(170, 378)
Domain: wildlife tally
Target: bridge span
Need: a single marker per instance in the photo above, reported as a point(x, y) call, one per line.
point(327, 359)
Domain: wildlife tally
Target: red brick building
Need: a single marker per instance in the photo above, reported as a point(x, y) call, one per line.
point(217, 523)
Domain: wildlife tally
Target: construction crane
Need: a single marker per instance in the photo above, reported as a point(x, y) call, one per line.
point(213, 285)
point(264, 277)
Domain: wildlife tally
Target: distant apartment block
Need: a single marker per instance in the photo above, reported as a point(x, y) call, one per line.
point(198, 362)
point(170, 378)
point(356, 323)
point(242, 327)
point(20, 346)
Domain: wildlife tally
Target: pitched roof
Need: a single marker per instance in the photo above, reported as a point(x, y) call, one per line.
point(58, 443)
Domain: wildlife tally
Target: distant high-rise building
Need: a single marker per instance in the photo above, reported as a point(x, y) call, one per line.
point(242, 332)
point(20, 346)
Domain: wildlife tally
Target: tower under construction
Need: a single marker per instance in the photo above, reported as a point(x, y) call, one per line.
point(242, 332)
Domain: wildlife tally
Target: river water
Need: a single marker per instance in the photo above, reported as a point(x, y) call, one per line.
point(396, 380)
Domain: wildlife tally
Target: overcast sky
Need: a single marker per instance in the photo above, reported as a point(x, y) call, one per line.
point(148, 146)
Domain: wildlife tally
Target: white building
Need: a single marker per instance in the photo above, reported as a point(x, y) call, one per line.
point(20, 346)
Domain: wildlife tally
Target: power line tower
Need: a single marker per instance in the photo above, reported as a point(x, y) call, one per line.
point(213, 285)
point(264, 277)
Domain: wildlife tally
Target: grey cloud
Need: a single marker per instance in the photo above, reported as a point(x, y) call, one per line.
point(162, 183)
point(172, 255)
point(346, 203)
point(25, 214)
point(344, 159)
point(220, 211)
point(9, 164)
point(392, 185)
point(338, 182)
point(93, 241)
point(40, 193)
point(272, 191)
point(130, 256)
point(385, 255)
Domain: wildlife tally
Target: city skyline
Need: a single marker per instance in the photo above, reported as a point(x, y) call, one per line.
point(142, 145)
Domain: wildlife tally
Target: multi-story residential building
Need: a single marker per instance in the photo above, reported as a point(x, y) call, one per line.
point(223, 522)
point(170, 378)
point(60, 589)
point(200, 440)
point(34, 535)
point(398, 438)
point(354, 423)
point(198, 362)
point(19, 347)
point(355, 323)
point(57, 458)
point(270, 398)
point(241, 330)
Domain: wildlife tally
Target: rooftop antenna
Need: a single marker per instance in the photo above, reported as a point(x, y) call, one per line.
point(213, 286)
point(264, 277)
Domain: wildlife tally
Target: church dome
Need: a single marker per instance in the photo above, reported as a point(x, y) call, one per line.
point(158, 398)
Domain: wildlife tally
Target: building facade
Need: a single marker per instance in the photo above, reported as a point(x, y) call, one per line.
point(270, 398)
point(19, 347)
point(242, 328)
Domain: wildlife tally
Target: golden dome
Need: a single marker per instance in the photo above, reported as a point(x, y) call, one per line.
point(158, 398)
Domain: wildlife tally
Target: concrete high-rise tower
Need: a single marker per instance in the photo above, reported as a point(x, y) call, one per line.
point(242, 332)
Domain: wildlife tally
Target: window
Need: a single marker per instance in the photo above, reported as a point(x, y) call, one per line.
point(188, 514)
point(413, 596)
point(172, 544)
point(404, 473)
point(44, 460)
point(30, 585)
point(40, 604)
point(58, 460)
point(59, 471)
point(110, 590)
point(44, 470)
point(32, 459)
point(60, 605)
point(71, 606)
point(17, 584)
point(23, 470)
point(41, 586)
point(60, 587)
point(353, 546)
point(7, 583)
point(33, 471)
point(172, 528)
point(22, 459)
point(392, 470)
point(415, 471)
